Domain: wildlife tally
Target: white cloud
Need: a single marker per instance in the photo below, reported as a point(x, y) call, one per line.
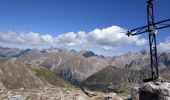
point(30, 37)
point(109, 38)
point(72, 39)
point(141, 42)
point(165, 46)
point(109, 48)
point(14, 37)
point(47, 38)
point(112, 37)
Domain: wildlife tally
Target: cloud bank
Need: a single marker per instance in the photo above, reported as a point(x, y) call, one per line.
point(109, 38)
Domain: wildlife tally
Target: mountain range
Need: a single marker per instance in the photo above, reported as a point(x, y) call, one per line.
point(88, 69)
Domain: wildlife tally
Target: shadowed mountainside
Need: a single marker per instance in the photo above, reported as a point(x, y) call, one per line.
point(116, 79)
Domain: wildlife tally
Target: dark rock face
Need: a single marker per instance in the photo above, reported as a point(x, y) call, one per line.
point(144, 52)
point(8, 53)
point(88, 53)
point(165, 58)
point(23, 52)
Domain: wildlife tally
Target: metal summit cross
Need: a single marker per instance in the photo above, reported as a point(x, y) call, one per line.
point(151, 28)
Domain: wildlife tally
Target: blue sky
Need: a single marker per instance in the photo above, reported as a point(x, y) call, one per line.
point(59, 17)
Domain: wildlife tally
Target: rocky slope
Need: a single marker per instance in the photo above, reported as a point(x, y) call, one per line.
point(71, 65)
point(139, 60)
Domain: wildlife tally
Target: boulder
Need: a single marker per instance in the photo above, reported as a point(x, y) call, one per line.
point(151, 91)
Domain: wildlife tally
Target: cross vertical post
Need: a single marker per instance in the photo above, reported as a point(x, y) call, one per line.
point(152, 39)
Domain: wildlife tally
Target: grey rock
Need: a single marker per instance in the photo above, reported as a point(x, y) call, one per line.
point(81, 97)
point(15, 97)
point(160, 89)
point(110, 96)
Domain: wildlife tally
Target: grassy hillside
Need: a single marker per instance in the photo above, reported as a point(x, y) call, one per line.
point(15, 75)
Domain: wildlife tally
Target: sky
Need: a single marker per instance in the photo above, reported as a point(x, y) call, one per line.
point(96, 25)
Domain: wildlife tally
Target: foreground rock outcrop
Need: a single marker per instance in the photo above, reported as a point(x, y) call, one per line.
point(152, 91)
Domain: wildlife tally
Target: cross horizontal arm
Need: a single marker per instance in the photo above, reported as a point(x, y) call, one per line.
point(165, 26)
point(143, 29)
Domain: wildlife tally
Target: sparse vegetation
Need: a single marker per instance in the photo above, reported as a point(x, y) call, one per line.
point(49, 77)
point(15, 75)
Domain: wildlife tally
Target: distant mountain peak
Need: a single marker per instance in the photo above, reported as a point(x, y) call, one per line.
point(54, 49)
point(143, 51)
point(57, 48)
point(72, 50)
point(87, 53)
